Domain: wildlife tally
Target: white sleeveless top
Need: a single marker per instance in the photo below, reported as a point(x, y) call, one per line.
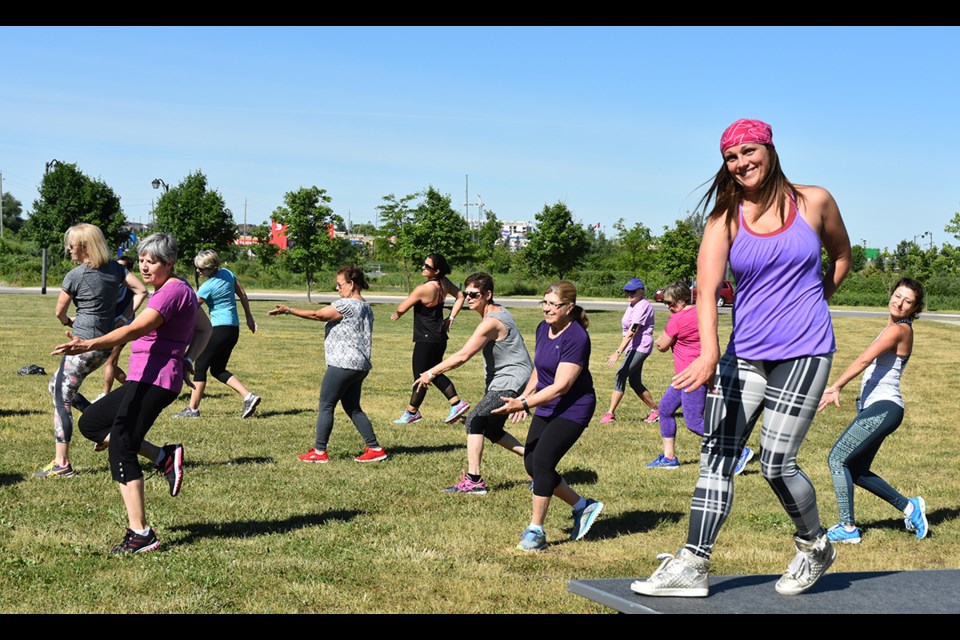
point(881, 378)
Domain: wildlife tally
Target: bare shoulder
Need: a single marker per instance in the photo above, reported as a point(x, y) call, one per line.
point(816, 198)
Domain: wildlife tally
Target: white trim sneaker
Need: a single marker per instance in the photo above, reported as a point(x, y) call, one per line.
point(686, 576)
point(811, 562)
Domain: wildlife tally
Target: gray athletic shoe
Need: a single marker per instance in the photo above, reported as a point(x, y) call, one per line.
point(250, 405)
point(811, 562)
point(685, 576)
point(187, 413)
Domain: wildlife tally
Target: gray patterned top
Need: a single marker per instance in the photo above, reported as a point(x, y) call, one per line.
point(348, 343)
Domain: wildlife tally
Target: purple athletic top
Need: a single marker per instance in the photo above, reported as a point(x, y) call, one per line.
point(640, 313)
point(573, 345)
point(157, 358)
point(781, 312)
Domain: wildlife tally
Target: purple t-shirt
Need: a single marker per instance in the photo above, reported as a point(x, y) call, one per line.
point(641, 314)
point(573, 345)
point(682, 327)
point(157, 358)
point(781, 312)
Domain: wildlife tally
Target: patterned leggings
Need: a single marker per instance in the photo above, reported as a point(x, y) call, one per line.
point(64, 387)
point(852, 455)
point(787, 391)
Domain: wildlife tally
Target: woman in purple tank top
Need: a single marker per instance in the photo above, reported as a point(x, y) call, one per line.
point(778, 359)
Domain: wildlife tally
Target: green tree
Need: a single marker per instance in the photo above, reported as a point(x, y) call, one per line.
point(306, 214)
point(265, 252)
point(437, 228)
point(677, 252)
point(488, 237)
point(197, 216)
point(558, 244)
point(12, 210)
point(953, 226)
point(858, 258)
point(393, 216)
point(633, 251)
point(68, 197)
point(364, 229)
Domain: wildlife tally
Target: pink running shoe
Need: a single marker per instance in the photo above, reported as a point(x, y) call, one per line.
point(607, 418)
point(654, 416)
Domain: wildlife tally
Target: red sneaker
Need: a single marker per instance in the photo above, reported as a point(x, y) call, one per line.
point(314, 456)
point(371, 455)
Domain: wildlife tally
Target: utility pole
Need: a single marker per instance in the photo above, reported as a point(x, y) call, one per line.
point(1, 204)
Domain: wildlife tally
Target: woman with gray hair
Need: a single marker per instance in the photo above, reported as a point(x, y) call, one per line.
point(220, 291)
point(164, 336)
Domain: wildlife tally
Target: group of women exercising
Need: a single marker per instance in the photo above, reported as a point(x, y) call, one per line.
point(770, 231)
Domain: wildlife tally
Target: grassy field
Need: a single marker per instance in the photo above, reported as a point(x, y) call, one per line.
point(255, 530)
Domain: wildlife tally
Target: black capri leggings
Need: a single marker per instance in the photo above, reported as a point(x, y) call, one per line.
point(217, 354)
point(548, 440)
point(425, 355)
point(125, 414)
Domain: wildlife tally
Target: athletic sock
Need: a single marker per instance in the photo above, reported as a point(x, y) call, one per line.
point(536, 527)
point(141, 532)
point(909, 509)
point(581, 503)
point(161, 457)
point(475, 478)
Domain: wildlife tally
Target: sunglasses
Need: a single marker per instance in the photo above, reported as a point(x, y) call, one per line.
point(472, 295)
point(429, 266)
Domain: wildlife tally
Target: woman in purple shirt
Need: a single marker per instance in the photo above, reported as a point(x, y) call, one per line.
point(561, 389)
point(778, 358)
point(165, 336)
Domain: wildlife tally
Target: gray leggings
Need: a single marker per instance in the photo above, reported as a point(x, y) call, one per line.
point(65, 388)
point(343, 386)
point(852, 455)
point(787, 391)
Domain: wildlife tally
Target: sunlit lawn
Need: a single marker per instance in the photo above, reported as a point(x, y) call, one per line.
point(255, 530)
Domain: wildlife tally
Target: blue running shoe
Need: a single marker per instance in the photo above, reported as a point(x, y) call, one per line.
point(837, 533)
point(457, 410)
point(408, 418)
point(532, 540)
point(584, 518)
point(745, 456)
point(917, 520)
point(663, 462)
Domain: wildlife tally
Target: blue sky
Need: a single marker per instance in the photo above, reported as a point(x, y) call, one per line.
point(616, 122)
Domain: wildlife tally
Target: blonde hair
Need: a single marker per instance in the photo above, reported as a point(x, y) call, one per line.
point(207, 259)
point(567, 292)
point(90, 240)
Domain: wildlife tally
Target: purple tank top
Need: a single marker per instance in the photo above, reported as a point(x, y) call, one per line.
point(780, 311)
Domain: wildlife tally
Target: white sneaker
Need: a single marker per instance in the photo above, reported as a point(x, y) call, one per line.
point(686, 576)
point(811, 562)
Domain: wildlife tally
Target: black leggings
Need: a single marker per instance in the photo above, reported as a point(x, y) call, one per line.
point(125, 414)
point(548, 440)
point(425, 355)
point(217, 354)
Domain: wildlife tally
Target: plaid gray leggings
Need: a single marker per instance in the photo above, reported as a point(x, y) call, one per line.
point(787, 391)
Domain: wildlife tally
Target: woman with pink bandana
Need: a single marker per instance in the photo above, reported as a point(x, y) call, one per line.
point(777, 361)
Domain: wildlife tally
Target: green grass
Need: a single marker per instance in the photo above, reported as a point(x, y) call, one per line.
point(255, 530)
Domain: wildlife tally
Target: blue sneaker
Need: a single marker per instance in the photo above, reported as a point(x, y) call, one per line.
point(457, 410)
point(745, 456)
point(663, 462)
point(532, 540)
point(584, 518)
point(408, 418)
point(917, 520)
point(837, 533)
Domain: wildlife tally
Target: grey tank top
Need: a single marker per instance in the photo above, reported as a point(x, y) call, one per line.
point(507, 362)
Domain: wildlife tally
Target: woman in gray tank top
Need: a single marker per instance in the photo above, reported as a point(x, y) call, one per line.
point(507, 368)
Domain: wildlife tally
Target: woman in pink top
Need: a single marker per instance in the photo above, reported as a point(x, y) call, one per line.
point(683, 337)
point(163, 337)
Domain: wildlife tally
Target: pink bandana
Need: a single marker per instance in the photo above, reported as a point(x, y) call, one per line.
point(743, 131)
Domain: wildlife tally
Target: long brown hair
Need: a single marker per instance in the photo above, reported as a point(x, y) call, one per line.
point(726, 194)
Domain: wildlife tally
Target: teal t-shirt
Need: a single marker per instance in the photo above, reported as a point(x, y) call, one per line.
point(219, 292)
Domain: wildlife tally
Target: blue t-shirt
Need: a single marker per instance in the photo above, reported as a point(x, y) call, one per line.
point(573, 345)
point(219, 292)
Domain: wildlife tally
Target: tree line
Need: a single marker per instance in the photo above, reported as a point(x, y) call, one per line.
point(412, 225)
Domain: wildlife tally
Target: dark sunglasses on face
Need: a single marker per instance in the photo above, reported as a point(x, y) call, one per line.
point(471, 295)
